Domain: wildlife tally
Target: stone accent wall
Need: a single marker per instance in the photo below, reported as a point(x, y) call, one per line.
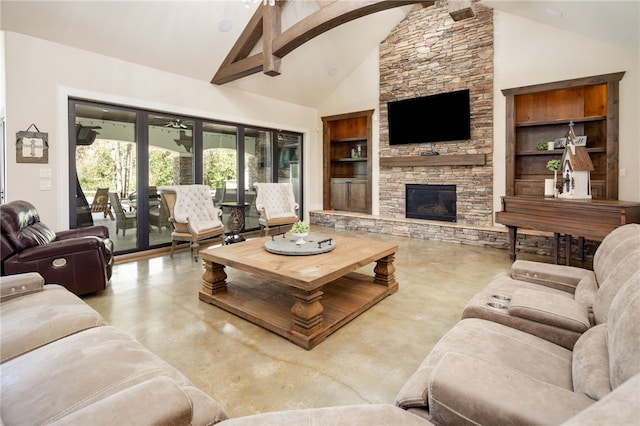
point(426, 54)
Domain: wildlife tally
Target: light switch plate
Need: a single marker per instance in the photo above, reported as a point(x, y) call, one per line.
point(46, 185)
point(45, 172)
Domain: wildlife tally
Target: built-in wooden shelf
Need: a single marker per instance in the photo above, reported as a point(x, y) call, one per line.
point(434, 160)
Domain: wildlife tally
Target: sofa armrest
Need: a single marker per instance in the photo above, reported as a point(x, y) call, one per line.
point(60, 248)
point(158, 400)
point(465, 387)
point(560, 277)
point(549, 308)
point(88, 231)
point(13, 286)
point(619, 407)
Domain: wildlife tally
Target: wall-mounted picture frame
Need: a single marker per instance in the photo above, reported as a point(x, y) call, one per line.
point(581, 141)
point(32, 147)
point(559, 143)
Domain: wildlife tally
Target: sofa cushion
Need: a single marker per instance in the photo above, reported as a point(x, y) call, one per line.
point(608, 288)
point(591, 363)
point(494, 343)
point(34, 320)
point(467, 389)
point(615, 246)
point(90, 367)
point(352, 415)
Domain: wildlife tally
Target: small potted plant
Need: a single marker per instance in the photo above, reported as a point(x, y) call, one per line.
point(300, 230)
point(542, 146)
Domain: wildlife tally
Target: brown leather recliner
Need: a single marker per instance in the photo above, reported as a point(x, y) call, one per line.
point(79, 259)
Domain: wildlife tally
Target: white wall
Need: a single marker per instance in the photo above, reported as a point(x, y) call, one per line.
point(41, 75)
point(359, 91)
point(529, 53)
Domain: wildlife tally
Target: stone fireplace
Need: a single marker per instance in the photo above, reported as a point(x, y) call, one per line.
point(431, 202)
point(426, 54)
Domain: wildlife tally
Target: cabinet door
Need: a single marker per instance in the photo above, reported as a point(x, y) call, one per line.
point(339, 194)
point(358, 196)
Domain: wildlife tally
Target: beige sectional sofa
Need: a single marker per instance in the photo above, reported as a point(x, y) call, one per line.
point(510, 368)
point(61, 364)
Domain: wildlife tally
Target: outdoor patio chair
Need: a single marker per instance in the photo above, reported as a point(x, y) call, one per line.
point(124, 219)
point(101, 203)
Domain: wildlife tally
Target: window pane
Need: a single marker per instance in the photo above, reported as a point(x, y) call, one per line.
point(106, 166)
point(258, 163)
point(170, 163)
point(220, 163)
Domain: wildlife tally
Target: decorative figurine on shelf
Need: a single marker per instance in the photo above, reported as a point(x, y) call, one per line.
point(550, 185)
point(576, 169)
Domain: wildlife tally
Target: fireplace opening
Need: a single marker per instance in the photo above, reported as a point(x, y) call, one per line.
point(431, 202)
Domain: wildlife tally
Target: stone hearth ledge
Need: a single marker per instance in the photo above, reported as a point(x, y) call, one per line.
point(529, 241)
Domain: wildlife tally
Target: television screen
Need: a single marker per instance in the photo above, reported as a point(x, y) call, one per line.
point(436, 118)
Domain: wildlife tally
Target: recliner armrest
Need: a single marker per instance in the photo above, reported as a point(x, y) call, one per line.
point(60, 248)
point(549, 308)
point(560, 277)
point(465, 387)
point(13, 286)
point(88, 231)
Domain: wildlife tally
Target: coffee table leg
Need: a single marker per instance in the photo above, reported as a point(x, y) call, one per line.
point(385, 272)
point(214, 278)
point(307, 312)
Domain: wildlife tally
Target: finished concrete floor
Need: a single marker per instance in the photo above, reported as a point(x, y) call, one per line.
point(249, 370)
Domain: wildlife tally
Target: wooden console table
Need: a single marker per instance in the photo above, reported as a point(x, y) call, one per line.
point(590, 219)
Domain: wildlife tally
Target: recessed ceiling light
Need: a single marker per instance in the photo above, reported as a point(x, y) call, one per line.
point(553, 12)
point(225, 25)
point(332, 71)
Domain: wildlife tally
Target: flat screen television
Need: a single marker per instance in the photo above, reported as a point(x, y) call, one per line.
point(436, 118)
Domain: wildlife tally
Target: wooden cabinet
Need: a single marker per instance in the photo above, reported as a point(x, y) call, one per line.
point(349, 194)
point(347, 167)
point(542, 113)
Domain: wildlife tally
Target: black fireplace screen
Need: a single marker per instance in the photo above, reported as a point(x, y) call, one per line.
point(431, 202)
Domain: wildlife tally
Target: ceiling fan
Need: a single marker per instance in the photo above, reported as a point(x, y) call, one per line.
point(176, 123)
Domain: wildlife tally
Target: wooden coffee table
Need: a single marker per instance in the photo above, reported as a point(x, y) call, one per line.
point(301, 298)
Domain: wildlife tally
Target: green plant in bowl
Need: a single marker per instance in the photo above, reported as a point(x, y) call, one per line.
point(542, 146)
point(553, 165)
point(300, 227)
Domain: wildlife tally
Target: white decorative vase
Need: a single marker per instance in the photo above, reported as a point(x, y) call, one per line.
point(551, 146)
point(549, 188)
point(300, 238)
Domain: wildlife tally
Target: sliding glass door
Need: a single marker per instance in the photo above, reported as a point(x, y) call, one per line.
point(122, 155)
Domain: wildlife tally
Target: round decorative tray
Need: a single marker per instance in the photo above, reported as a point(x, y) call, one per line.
point(287, 245)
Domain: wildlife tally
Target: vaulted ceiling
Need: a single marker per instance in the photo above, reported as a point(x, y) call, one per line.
point(192, 38)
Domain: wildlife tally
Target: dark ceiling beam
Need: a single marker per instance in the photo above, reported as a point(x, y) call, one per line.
point(271, 27)
point(329, 17)
point(276, 45)
point(236, 62)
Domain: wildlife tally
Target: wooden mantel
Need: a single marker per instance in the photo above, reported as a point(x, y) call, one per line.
point(434, 160)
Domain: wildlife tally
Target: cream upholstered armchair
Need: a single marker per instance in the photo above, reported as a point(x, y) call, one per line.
point(192, 215)
point(276, 204)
